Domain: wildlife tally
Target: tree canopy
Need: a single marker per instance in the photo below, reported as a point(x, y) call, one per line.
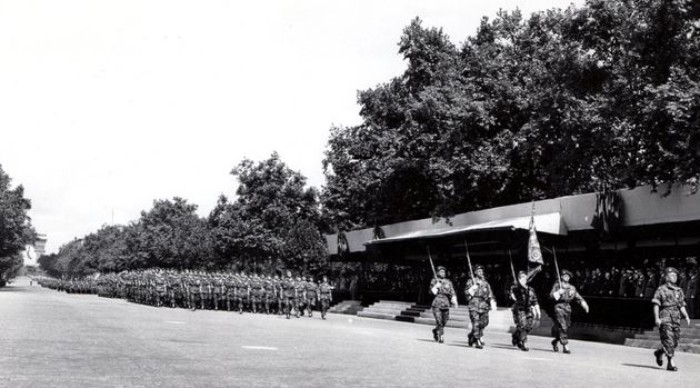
point(272, 223)
point(16, 231)
point(605, 96)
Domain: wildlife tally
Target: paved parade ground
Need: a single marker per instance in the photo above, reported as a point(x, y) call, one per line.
point(52, 339)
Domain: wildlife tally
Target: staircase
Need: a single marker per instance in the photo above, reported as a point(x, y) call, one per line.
point(499, 320)
point(350, 307)
point(690, 338)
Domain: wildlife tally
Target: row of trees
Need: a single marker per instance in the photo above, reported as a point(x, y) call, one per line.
point(16, 230)
point(596, 98)
point(601, 97)
point(272, 224)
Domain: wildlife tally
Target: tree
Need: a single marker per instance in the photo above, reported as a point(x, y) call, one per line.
point(605, 96)
point(170, 235)
point(16, 231)
point(274, 220)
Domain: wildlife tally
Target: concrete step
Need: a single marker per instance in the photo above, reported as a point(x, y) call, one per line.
point(385, 310)
point(655, 344)
point(685, 332)
point(655, 337)
point(370, 314)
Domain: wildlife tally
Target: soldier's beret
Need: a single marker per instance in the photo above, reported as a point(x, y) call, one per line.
point(478, 267)
point(440, 268)
point(567, 272)
point(671, 269)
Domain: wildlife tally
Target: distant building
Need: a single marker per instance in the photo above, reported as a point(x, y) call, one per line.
point(32, 253)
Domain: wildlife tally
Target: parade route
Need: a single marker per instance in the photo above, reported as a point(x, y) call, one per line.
point(54, 339)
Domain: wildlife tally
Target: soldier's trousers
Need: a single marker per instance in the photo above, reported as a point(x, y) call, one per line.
point(242, 303)
point(441, 318)
point(310, 304)
point(255, 303)
point(287, 305)
point(562, 322)
point(523, 324)
point(479, 322)
point(325, 305)
point(670, 330)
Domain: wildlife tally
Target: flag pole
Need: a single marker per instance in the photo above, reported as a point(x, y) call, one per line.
point(556, 265)
point(432, 266)
point(469, 261)
point(512, 270)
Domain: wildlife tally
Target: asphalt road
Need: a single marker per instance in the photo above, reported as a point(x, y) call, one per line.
point(52, 339)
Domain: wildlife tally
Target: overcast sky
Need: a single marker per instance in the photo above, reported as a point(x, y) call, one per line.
point(108, 105)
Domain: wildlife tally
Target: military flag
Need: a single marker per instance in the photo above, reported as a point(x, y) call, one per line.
point(534, 253)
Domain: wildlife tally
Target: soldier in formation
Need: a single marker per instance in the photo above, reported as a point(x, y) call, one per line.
point(445, 297)
point(563, 293)
point(480, 299)
point(525, 310)
point(325, 296)
point(669, 308)
point(199, 290)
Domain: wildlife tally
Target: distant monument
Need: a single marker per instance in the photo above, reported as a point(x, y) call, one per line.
point(32, 253)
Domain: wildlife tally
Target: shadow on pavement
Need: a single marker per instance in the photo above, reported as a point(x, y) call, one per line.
point(13, 289)
point(642, 366)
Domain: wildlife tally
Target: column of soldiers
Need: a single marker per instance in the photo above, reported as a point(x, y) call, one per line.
point(195, 290)
point(669, 308)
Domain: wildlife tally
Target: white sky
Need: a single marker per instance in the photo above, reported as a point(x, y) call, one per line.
point(108, 105)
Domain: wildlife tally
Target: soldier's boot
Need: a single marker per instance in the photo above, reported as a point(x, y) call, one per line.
point(311, 313)
point(522, 346)
point(659, 357)
point(555, 345)
point(671, 366)
point(479, 344)
point(565, 349)
point(513, 340)
point(323, 315)
point(228, 305)
point(436, 337)
point(471, 340)
point(440, 338)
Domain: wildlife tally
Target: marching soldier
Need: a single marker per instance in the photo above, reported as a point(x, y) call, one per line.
point(243, 292)
point(311, 294)
point(562, 294)
point(669, 308)
point(525, 310)
point(300, 298)
point(325, 296)
point(276, 284)
point(445, 296)
point(270, 293)
point(256, 293)
point(288, 293)
point(480, 300)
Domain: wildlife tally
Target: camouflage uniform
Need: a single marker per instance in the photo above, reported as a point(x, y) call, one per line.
point(230, 284)
point(524, 299)
point(670, 300)
point(441, 306)
point(311, 295)
point(270, 293)
point(479, 305)
point(243, 293)
point(325, 296)
point(562, 311)
point(289, 293)
point(300, 298)
point(257, 292)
